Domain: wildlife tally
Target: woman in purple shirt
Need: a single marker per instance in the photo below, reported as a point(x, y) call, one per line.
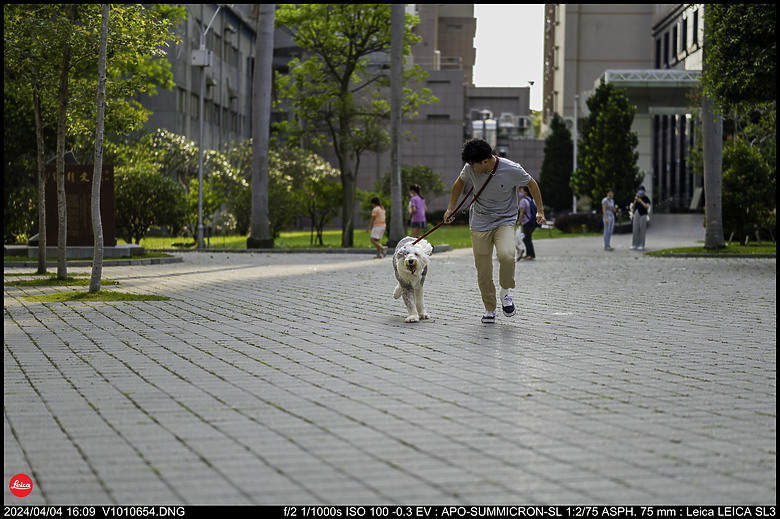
point(417, 209)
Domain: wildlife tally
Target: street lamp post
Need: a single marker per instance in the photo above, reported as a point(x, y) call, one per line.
point(573, 196)
point(202, 58)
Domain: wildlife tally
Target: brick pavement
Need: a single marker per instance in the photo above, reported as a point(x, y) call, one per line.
point(292, 379)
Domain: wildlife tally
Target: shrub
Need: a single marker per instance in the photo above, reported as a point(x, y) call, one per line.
point(575, 223)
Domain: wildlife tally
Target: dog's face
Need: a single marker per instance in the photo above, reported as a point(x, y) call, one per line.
point(413, 258)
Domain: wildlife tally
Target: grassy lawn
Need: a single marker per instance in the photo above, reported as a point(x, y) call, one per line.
point(731, 248)
point(100, 295)
point(456, 236)
point(105, 260)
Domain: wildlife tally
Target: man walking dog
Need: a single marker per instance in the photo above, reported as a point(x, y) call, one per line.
point(492, 218)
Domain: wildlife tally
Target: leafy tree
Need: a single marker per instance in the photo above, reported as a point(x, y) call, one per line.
point(557, 165)
point(144, 199)
point(607, 153)
point(749, 190)
point(53, 50)
point(321, 197)
point(20, 210)
point(334, 91)
point(741, 54)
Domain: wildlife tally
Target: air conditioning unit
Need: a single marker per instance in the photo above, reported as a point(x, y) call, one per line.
point(202, 58)
point(507, 120)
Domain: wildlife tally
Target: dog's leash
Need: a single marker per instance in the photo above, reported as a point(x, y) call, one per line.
point(457, 210)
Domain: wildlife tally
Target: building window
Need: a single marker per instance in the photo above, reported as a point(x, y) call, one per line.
point(454, 27)
point(194, 105)
point(666, 50)
point(181, 101)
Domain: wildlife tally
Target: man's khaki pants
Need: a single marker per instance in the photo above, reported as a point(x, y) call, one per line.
point(482, 243)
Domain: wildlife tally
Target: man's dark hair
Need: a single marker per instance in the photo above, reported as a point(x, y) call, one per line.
point(476, 150)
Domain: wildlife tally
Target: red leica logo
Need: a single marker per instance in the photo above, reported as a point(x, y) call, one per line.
point(21, 485)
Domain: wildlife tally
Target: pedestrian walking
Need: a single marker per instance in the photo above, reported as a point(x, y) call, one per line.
point(377, 225)
point(639, 209)
point(417, 209)
point(492, 219)
point(608, 213)
point(527, 221)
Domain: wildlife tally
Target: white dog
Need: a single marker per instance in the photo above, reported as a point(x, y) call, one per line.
point(410, 263)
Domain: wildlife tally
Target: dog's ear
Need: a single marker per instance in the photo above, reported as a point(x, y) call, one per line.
point(426, 247)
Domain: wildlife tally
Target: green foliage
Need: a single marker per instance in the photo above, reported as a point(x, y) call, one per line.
point(34, 37)
point(321, 197)
point(557, 166)
point(749, 191)
point(20, 177)
point(144, 199)
point(335, 94)
point(300, 185)
point(741, 54)
point(607, 156)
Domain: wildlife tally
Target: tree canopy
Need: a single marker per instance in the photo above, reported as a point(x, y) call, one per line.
point(336, 89)
point(607, 156)
point(741, 54)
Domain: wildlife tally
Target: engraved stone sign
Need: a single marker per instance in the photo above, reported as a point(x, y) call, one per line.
point(78, 195)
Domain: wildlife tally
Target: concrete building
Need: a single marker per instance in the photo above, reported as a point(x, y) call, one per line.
point(653, 52)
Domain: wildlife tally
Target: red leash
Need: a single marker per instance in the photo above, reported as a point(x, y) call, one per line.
point(457, 211)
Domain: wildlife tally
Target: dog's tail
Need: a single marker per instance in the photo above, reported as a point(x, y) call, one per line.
point(397, 292)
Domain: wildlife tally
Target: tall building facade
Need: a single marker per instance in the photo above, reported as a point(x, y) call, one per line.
point(653, 53)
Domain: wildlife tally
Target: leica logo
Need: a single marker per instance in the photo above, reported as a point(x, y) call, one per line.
point(20, 485)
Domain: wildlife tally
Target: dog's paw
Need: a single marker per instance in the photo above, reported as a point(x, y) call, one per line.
point(397, 292)
point(425, 316)
point(412, 319)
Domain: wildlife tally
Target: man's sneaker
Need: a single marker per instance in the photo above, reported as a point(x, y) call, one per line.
point(508, 305)
point(489, 317)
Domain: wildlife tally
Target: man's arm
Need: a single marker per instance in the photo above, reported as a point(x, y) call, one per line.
point(457, 190)
point(533, 187)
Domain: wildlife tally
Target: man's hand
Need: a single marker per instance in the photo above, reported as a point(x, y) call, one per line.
point(540, 219)
point(448, 217)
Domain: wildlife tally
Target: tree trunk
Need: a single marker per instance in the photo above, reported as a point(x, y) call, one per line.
point(97, 173)
point(712, 150)
point(397, 27)
point(62, 103)
point(260, 229)
point(348, 186)
point(41, 161)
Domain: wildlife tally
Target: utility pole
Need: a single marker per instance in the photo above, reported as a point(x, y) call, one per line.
point(202, 58)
